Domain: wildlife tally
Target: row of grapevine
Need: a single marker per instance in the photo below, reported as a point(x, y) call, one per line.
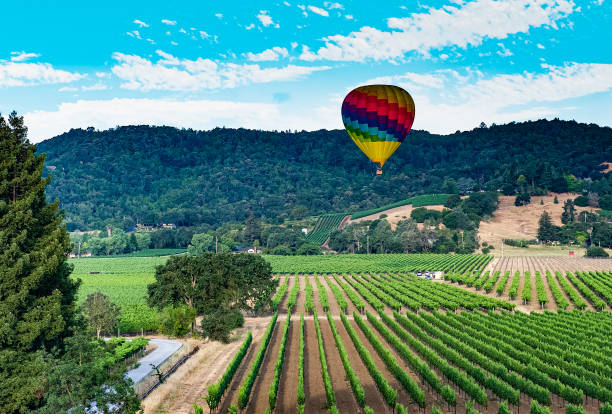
point(502, 382)
point(526, 293)
point(293, 294)
point(541, 290)
point(411, 387)
point(309, 300)
point(337, 294)
point(514, 285)
point(481, 281)
point(569, 351)
point(354, 297)
point(244, 392)
point(379, 293)
point(301, 394)
point(216, 390)
point(600, 284)
point(447, 393)
point(488, 286)
point(562, 378)
point(466, 358)
point(588, 293)
point(329, 391)
point(453, 374)
point(501, 287)
point(389, 394)
point(365, 293)
point(323, 299)
point(280, 293)
point(278, 367)
point(356, 386)
point(560, 300)
point(570, 291)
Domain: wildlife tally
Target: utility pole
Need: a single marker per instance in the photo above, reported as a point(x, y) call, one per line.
point(216, 243)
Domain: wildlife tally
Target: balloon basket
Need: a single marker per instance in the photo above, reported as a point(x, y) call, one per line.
point(379, 171)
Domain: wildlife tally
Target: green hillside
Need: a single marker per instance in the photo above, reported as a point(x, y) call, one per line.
point(154, 175)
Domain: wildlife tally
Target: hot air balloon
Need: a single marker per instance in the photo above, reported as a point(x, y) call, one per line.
point(378, 118)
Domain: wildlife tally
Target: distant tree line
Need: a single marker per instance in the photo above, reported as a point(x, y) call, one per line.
point(452, 230)
point(152, 175)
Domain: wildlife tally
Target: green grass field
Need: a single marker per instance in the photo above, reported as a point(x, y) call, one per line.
point(124, 280)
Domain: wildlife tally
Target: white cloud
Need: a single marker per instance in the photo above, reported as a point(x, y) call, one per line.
point(197, 114)
point(181, 30)
point(266, 19)
point(503, 52)
point(466, 99)
point(173, 43)
point(171, 73)
point(219, 15)
point(286, 3)
point(332, 6)
point(22, 56)
point(169, 22)
point(294, 45)
point(151, 41)
point(204, 35)
point(140, 23)
point(348, 16)
point(68, 89)
point(103, 75)
point(249, 27)
point(134, 34)
point(30, 74)
point(95, 87)
point(319, 11)
point(540, 46)
point(463, 25)
point(269, 54)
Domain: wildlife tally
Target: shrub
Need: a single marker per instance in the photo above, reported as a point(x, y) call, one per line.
point(595, 251)
point(176, 321)
point(581, 201)
point(219, 324)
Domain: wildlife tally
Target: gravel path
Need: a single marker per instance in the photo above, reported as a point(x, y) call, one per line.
point(165, 349)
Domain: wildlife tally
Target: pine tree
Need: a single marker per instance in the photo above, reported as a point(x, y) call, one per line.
point(568, 215)
point(37, 296)
point(546, 230)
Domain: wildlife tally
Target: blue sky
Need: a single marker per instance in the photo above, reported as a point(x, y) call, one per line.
point(287, 65)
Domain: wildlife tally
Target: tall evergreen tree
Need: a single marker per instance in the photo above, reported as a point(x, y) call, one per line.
point(547, 231)
point(568, 215)
point(37, 296)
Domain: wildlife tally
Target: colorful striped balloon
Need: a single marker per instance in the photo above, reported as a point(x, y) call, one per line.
point(378, 118)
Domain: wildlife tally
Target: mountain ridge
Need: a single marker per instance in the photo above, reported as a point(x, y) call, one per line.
point(152, 175)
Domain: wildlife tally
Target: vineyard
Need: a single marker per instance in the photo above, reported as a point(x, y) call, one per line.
point(378, 263)
point(125, 279)
point(417, 201)
point(536, 283)
point(390, 342)
point(324, 227)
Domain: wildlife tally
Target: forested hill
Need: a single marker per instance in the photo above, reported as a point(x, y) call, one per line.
point(153, 175)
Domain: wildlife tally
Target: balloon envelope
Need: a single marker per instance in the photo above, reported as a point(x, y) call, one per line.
point(378, 118)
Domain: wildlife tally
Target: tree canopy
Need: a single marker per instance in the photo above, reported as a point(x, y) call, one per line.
point(154, 175)
point(47, 363)
point(214, 285)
